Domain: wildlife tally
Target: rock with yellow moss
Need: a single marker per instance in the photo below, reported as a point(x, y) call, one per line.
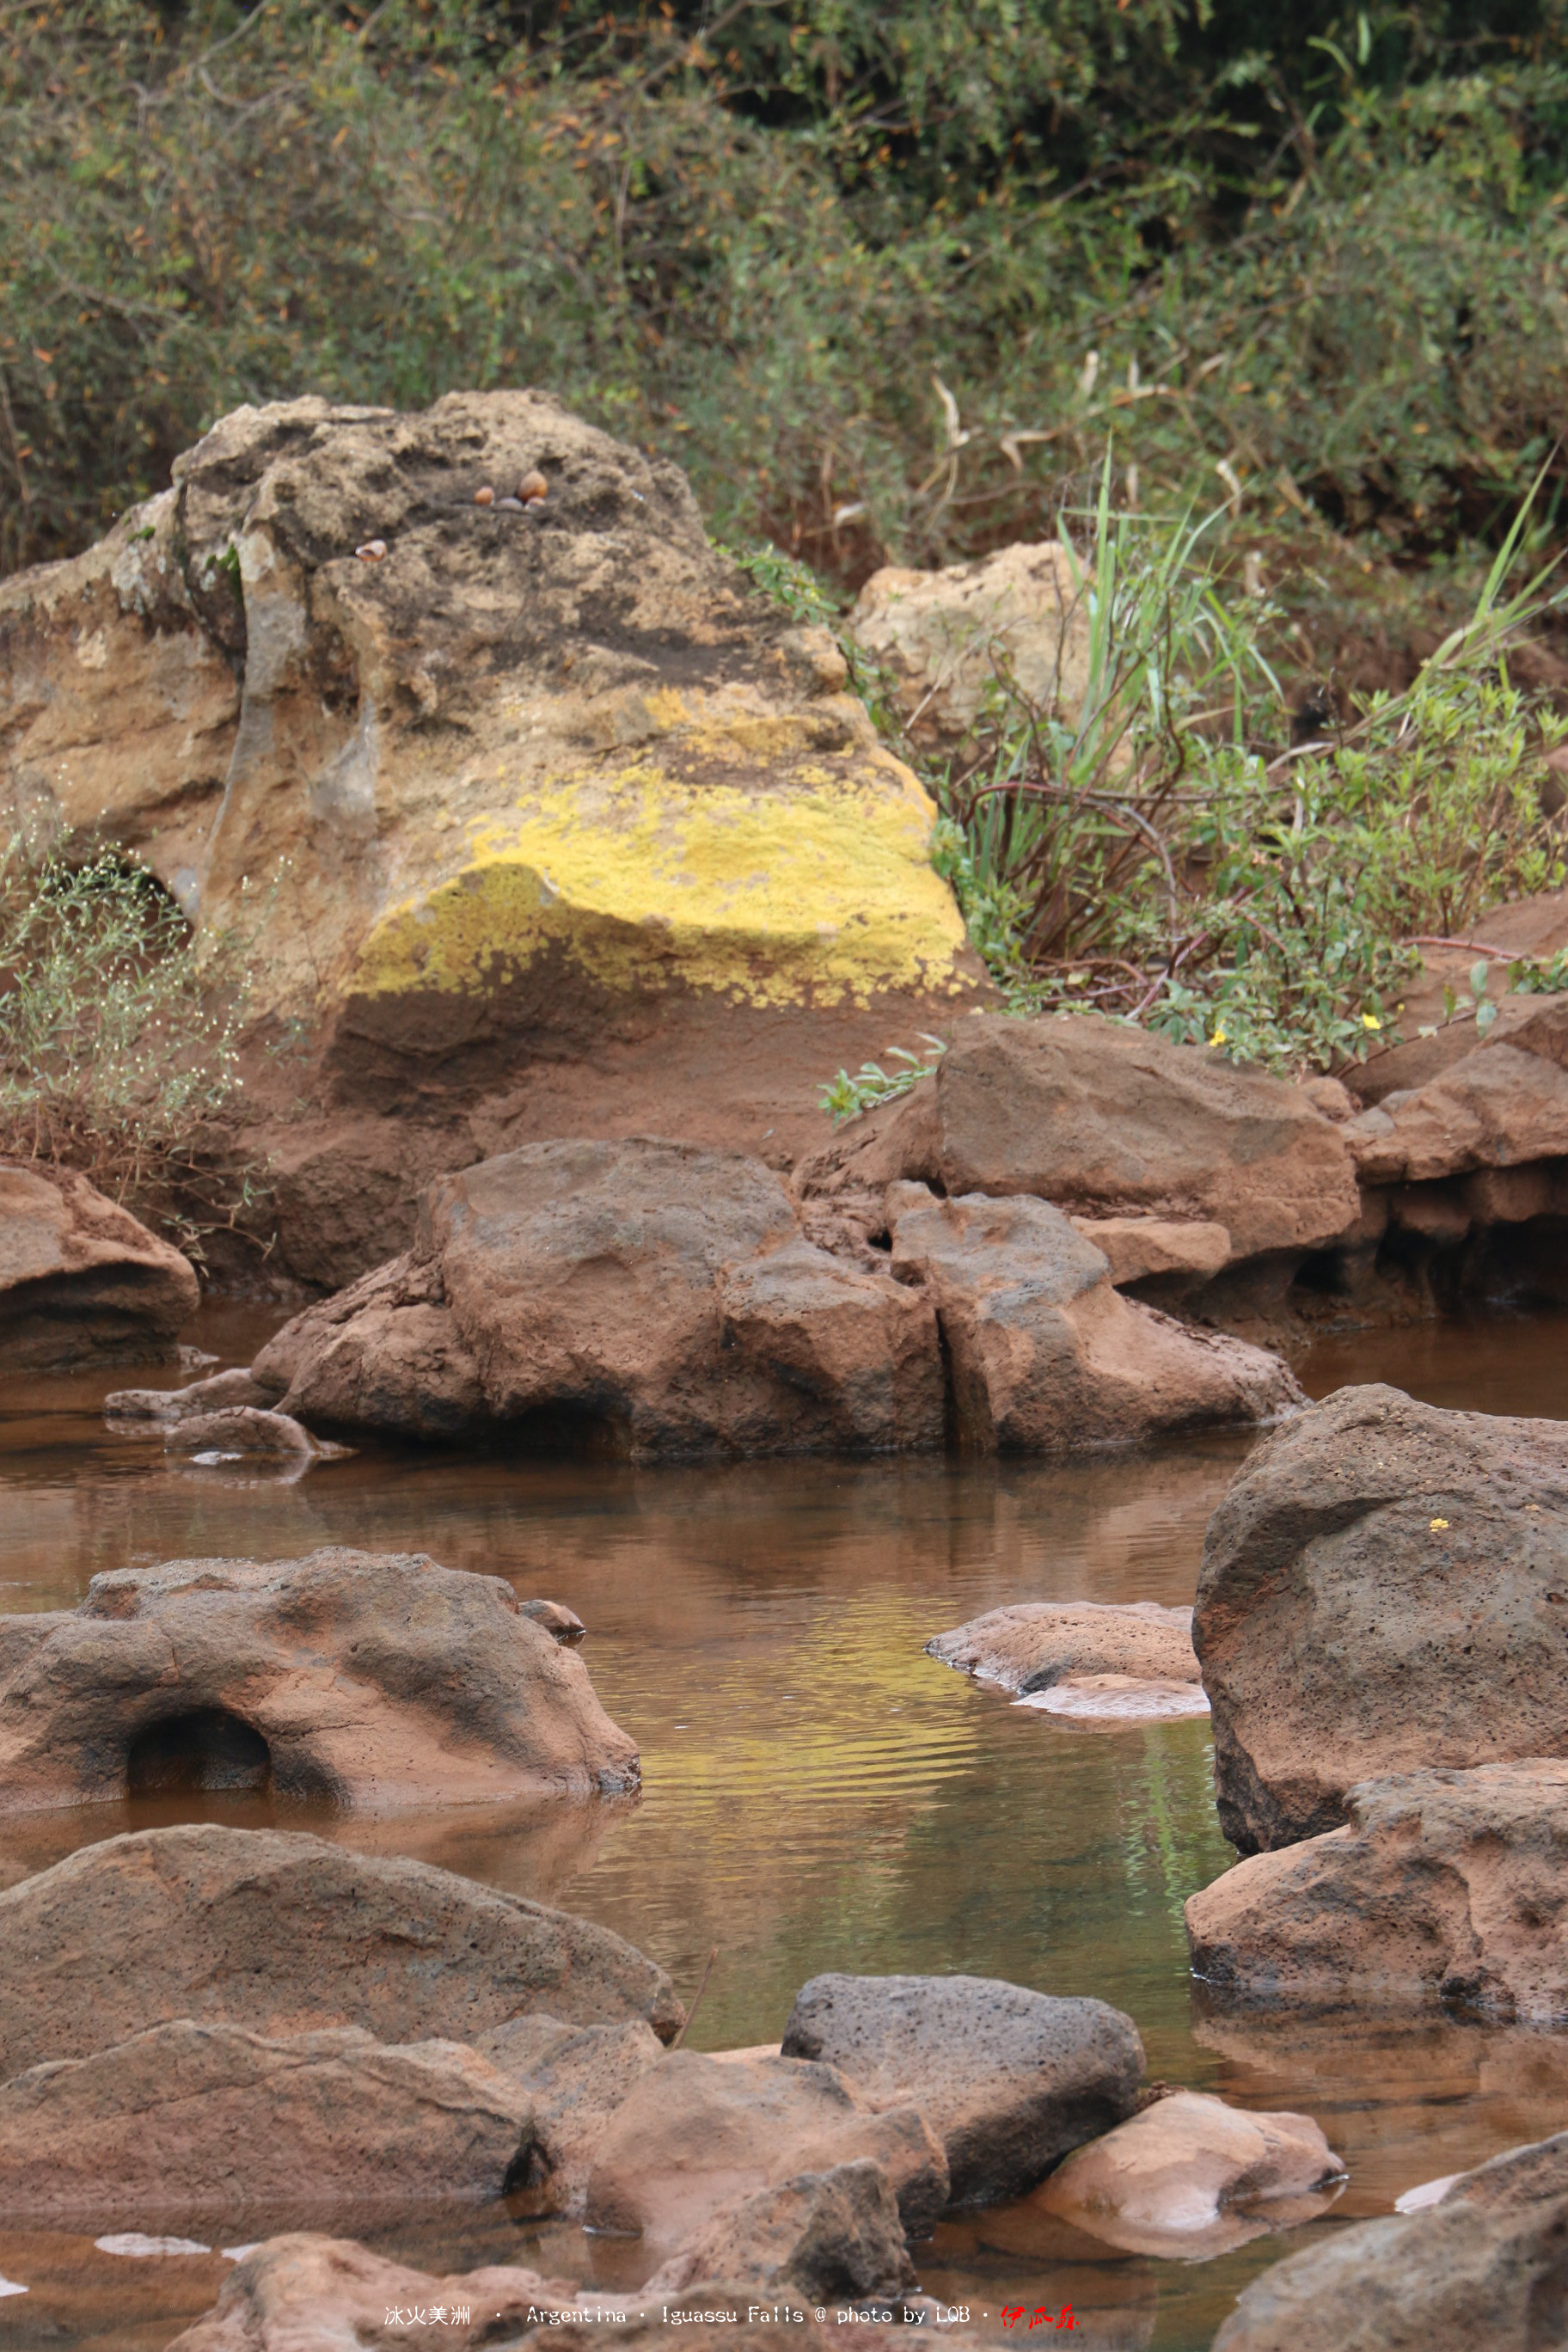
point(531, 817)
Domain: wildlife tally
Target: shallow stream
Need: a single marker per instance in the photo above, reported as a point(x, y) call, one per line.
point(817, 1792)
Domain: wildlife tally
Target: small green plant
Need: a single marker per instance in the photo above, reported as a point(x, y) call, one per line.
point(117, 1049)
point(845, 1098)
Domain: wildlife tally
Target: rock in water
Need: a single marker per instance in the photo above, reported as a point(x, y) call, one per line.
point(1032, 1644)
point(302, 2293)
point(1009, 2079)
point(1166, 2181)
point(81, 1280)
point(826, 2234)
point(189, 2120)
point(1487, 2266)
point(575, 2077)
point(1047, 1356)
point(698, 2135)
point(1383, 1587)
point(143, 1929)
point(1443, 1886)
point(370, 1679)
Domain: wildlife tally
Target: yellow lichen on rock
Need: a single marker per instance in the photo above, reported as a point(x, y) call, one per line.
point(822, 890)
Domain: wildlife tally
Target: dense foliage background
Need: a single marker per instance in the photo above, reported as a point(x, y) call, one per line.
point(883, 274)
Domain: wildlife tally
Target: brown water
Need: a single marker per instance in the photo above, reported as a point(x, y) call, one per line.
point(818, 1793)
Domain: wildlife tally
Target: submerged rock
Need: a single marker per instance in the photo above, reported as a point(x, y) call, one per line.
point(145, 1929)
point(81, 1279)
point(827, 2234)
point(1486, 2265)
point(1443, 1886)
point(1046, 1355)
point(371, 1679)
point(187, 2119)
point(697, 2136)
point(243, 1430)
point(1032, 1644)
point(1385, 1587)
point(1009, 2079)
point(1177, 2178)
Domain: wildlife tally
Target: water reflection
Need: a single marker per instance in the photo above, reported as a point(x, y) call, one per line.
point(818, 1793)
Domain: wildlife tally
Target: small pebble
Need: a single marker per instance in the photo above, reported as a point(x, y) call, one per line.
point(508, 506)
point(485, 497)
point(533, 485)
point(372, 551)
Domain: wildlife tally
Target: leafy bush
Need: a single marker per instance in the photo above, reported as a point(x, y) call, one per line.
point(117, 1055)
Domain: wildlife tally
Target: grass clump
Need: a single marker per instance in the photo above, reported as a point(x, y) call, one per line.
point(118, 1052)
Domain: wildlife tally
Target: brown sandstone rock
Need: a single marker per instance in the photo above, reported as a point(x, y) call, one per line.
point(242, 1429)
point(79, 1278)
point(1032, 1644)
point(1488, 2266)
point(186, 2120)
point(1168, 2181)
point(223, 1392)
point(827, 2234)
point(1045, 1355)
point(374, 1680)
point(1110, 1122)
point(946, 638)
point(697, 2135)
point(1009, 2079)
point(1443, 1886)
point(1380, 1592)
point(285, 1934)
point(302, 2293)
point(575, 2077)
point(1136, 1247)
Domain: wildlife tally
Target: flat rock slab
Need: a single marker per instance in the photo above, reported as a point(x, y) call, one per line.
point(372, 1680)
point(187, 2119)
point(1103, 1701)
point(1487, 2265)
point(1009, 2079)
point(283, 1934)
point(825, 2234)
point(697, 2135)
point(1045, 1354)
point(1385, 1587)
point(1170, 2180)
point(1443, 1886)
point(82, 1279)
point(1032, 1644)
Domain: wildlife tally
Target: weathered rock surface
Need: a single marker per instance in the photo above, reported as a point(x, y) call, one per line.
point(638, 852)
point(302, 2293)
point(223, 1392)
point(1105, 1701)
point(946, 639)
point(644, 1297)
point(371, 1679)
point(1045, 1355)
point(698, 2135)
point(1503, 1103)
point(79, 1278)
point(576, 2076)
point(1136, 1247)
point(1034, 1643)
point(185, 2119)
point(1166, 2180)
point(1009, 2079)
point(1385, 1587)
point(824, 2234)
point(1108, 1122)
point(284, 1934)
point(1488, 2266)
point(247, 1429)
point(1443, 1886)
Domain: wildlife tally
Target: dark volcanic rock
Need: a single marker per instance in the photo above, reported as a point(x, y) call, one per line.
point(79, 1278)
point(284, 1934)
point(1443, 1886)
point(1385, 1587)
point(374, 1680)
point(1009, 2079)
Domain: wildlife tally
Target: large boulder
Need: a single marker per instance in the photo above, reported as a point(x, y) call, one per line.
point(284, 1934)
point(1442, 1886)
point(947, 640)
point(1009, 2079)
point(370, 1679)
point(1109, 1122)
point(647, 1297)
point(1487, 2265)
point(1045, 1354)
point(81, 1279)
point(1383, 1587)
point(698, 2135)
point(1190, 2176)
point(540, 818)
point(187, 2120)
